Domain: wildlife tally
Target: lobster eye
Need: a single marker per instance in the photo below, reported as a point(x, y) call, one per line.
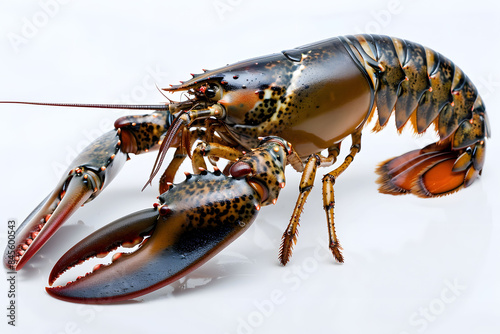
point(211, 91)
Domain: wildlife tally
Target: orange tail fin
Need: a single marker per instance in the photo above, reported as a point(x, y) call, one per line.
point(435, 170)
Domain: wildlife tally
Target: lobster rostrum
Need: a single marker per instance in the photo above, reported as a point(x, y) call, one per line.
point(312, 96)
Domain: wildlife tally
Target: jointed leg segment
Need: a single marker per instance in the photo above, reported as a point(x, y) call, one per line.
point(306, 184)
point(212, 150)
point(329, 196)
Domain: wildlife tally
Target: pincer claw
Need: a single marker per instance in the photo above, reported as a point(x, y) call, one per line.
point(133, 228)
point(94, 168)
point(180, 235)
point(45, 220)
point(194, 221)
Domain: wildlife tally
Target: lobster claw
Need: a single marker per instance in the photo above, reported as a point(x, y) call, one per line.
point(94, 168)
point(193, 222)
point(175, 238)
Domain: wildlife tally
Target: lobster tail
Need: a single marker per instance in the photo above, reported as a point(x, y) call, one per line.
point(417, 83)
point(435, 170)
point(423, 87)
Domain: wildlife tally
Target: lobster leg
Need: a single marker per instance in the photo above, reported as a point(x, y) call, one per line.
point(329, 196)
point(212, 150)
point(306, 184)
point(180, 155)
point(167, 178)
point(289, 237)
point(307, 181)
point(203, 149)
point(181, 152)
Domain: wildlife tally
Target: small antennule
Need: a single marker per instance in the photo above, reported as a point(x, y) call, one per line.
point(99, 106)
point(162, 93)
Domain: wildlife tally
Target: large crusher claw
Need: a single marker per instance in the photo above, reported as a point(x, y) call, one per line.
point(193, 221)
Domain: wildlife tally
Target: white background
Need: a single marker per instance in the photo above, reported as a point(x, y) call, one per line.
point(402, 253)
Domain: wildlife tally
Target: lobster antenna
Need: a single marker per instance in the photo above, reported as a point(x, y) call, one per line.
point(100, 106)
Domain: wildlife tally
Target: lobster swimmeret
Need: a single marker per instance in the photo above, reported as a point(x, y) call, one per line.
point(313, 97)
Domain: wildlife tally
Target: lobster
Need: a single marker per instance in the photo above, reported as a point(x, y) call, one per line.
point(313, 97)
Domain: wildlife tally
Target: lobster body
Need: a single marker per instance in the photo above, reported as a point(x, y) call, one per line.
point(307, 100)
point(316, 95)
